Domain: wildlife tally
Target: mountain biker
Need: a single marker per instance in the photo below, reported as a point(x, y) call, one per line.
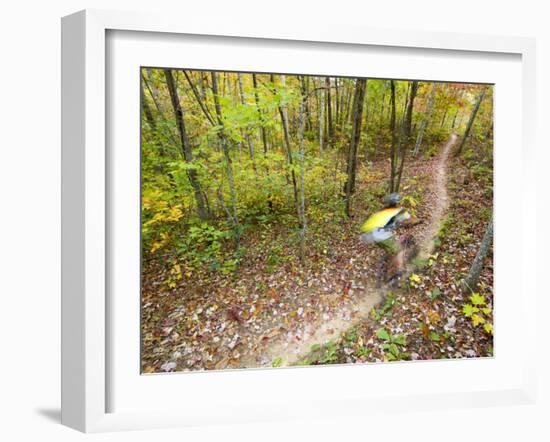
point(379, 229)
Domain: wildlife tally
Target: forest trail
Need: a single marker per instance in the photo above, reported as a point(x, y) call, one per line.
point(289, 353)
point(440, 198)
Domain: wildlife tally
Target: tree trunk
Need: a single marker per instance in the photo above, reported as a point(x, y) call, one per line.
point(338, 89)
point(169, 131)
point(203, 80)
point(309, 123)
point(489, 132)
point(148, 113)
point(425, 120)
point(201, 101)
point(330, 124)
point(185, 146)
point(284, 119)
point(248, 136)
point(471, 121)
point(366, 128)
point(260, 114)
point(443, 119)
point(405, 103)
point(393, 149)
point(454, 120)
point(471, 281)
point(153, 88)
point(347, 114)
point(406, 132)
point(357, 120)
point(321, 120)
point(146, 108)
point(228, 162)
point(460, 121)
point(383, 104)
point(302, 211)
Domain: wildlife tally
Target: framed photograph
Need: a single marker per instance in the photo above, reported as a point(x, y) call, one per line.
point(263, 223)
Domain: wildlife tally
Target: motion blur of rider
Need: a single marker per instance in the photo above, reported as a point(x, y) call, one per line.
point(379, 229)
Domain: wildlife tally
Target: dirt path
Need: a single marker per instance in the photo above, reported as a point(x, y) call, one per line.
point(368, 296)
point(291, 352)
point(440, 201)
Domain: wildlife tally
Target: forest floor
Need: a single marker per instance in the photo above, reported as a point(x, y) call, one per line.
point(274, 311)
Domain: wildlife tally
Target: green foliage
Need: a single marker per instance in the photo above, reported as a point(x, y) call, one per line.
point(276, 256)
point(435, 294)
point(393, 345)
point(364, 351)
point(204, 247)
point(414, 280)
point(386, 308)
point(425, 264)
point(468, 310)
point(446, 225)
point(383, 334)
point(411, 203)
point(482, 172)
point(322, 354)
point(419, 263)
point(351, 335)
point(479, 312)
point(330, 355)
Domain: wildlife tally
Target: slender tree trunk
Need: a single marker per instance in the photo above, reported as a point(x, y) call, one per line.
point(460, 121)
point(406, 132)
point(425, 120)
point(489, 132)
point(338, 93)
point(302, 211)
point(228, 162)
point(260, 113)
point(471, 121)
point(284, 119)
point(152, 86)
point(357, 117)
point(404, 112)
point(248, 136)
point(185, 146)
point(201, 101)
point(149, 117)
point(329, 113)
point(454, 120)
point(146, 108)
point(393, 131)
point(321, 119)
point(309, 123)
point(347, 113)
point(471, 281)
point(203, 84)
point(383, 103)
point(443, 119)
point(366, 128)
point(169, 131)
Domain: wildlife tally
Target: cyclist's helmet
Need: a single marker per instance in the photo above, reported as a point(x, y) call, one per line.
point(392, 200)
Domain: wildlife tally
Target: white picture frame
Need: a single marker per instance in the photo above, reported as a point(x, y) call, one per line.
point(87, 355)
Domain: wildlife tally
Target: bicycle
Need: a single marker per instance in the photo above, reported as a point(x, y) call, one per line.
point(390, 269)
